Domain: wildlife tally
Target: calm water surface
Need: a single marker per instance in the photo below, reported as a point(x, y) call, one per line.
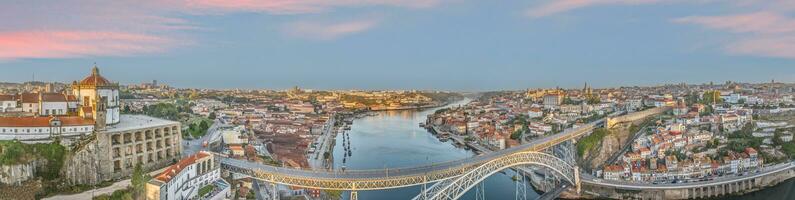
point(394, 139)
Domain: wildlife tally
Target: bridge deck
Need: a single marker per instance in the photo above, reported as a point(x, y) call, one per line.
point(401, 177)
point(535, 145)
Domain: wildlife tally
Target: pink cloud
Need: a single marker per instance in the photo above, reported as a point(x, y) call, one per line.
point(84, 28)
point(560, 6)
point(328, 31)
point(299, 6)
point(758, 22)
point(763, 33)
point(67, 44)
point(782, 47)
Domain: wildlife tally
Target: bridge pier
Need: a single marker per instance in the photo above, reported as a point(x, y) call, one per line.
point(577, 183)
point(274, 192)
point(521, 186)
point(354, 195)
point(480, 191)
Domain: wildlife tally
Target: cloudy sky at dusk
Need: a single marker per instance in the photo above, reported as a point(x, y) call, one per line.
point(399, 44)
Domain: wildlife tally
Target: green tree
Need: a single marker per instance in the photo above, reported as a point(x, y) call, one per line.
point(710, 97)
point(204, 125)
point(138, 182)
point(211, 115)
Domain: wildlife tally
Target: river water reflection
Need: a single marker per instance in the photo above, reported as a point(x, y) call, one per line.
point(394, 139)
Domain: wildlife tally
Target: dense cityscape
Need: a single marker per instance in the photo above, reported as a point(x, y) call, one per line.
point(397, 100)
point(154, 141)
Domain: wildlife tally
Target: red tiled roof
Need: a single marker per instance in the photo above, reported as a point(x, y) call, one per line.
point(236, 148)
point(29, 97)
point(8, 97)
point(42, 121)
point(87, 109)
point(173, 170)
point(95, 78)
point(53, 97)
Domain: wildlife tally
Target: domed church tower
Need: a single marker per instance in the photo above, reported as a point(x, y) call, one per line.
point(98, 98)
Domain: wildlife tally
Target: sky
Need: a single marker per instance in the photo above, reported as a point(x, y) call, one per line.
point(462, 45)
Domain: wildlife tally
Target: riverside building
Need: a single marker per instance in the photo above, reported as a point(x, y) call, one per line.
point(107, 144)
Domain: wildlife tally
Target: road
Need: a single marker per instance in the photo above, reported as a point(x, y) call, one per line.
point(123, 184)
point(474, 145)
point(325, 144)
point(190, 147)
point(95, 192)
point(587, 178)
point(554, 194)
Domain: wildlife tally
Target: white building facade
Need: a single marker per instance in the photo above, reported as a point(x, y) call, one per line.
point(185, 179)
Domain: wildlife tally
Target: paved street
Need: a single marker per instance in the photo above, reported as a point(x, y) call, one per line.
point(92, 193)
point(587, 178)
point(316, 160)
point(190, 147)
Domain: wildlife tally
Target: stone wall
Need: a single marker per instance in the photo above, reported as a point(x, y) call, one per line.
point(16, 174)
point(81, 165)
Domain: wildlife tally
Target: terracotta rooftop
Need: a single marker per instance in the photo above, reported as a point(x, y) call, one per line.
point(54, 97)
point(175, 169)
point(29, 97)
point(95, 78)
point(8, 98)
point(47, 97)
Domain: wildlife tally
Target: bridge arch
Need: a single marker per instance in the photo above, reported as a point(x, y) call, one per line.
point(455, 188)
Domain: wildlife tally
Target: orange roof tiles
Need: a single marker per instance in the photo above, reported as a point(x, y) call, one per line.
point(236, 148)
point(175, 169)
point(53, 97)
point(8, 98)
point(29, 97)
point(94, 79)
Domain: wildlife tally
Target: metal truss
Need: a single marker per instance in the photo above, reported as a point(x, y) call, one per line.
point(453, 178)
point(349, 183)
point(433, 189)
point(465, 182)
point(521, 186)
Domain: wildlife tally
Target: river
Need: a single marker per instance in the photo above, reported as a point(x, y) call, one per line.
point(393, 139)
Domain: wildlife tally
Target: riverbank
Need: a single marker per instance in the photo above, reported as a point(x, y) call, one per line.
point(727, 186)
point(393, 139)
point(407, 107)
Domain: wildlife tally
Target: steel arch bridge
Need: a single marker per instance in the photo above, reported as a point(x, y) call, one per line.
point(454, 188)
point(452, 178)
point(444, 174)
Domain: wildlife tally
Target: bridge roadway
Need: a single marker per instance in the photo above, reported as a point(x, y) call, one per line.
point(555, 193)
point(587, 178)
point(378, 179)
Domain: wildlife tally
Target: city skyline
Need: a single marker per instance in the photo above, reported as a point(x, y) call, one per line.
point(401, 44)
